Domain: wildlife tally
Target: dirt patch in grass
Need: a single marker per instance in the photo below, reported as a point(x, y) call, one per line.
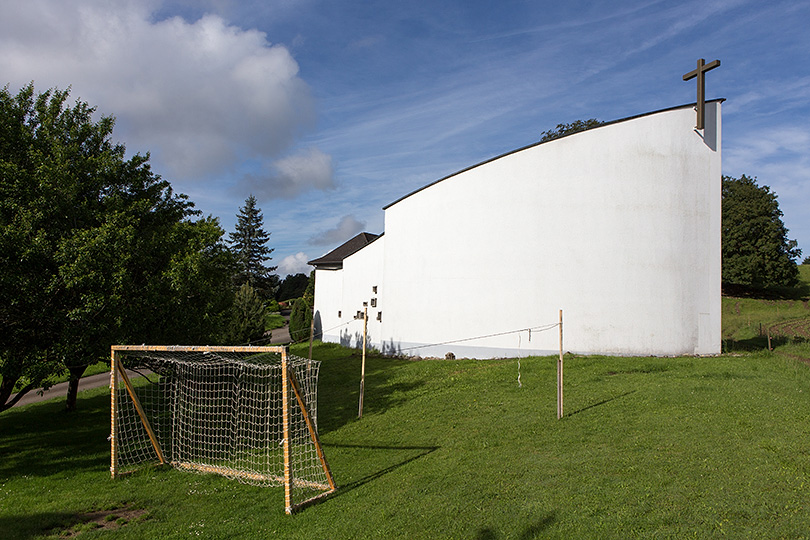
point(792, 328)
point(102, 519)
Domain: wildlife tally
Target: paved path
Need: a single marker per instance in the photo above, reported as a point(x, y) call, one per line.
point(60, 390)
point(281, 335)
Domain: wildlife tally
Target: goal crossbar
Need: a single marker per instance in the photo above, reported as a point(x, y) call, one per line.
point(209, 396)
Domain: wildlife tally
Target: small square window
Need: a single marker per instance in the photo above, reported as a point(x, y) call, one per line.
point(339, 314)
point(379, 316)
point(373, 302)
point(374, 289)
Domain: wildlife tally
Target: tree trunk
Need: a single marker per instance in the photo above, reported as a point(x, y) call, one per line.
point(6, 389)
point(73, 386)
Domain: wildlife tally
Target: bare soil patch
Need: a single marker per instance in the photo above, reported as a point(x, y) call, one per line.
point(102, 519)
point(792, 328)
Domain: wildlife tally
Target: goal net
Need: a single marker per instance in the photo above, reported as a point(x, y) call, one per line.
point(247, 413)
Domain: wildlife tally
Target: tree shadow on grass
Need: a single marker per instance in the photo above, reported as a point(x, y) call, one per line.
point(758, 343)
point(339, 386)
point(23, 526)
point(422, 451)
point(41, 439)
point(799, 292)
point(529, 533)
point(603, 402)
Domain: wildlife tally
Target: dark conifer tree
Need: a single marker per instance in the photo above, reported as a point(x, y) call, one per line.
point(249, 243)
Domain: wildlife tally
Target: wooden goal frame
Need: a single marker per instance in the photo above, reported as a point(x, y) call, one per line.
point(290, 388)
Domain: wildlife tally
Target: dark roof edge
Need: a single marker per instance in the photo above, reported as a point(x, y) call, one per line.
point(386, 207)
point(339, 257)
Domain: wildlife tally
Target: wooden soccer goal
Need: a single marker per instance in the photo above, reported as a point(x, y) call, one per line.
point(247, 413)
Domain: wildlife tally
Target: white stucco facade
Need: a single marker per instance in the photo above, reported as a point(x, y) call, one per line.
point(618, 226)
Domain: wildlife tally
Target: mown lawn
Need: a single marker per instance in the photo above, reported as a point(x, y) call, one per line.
point(273, 321)
point(649, 447)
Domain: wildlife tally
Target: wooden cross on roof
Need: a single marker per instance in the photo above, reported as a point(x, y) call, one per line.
point(700, 73)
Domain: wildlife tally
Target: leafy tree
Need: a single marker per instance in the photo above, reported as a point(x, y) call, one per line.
point(94, 248)
point(806, 260)
point(310, 290)
point(567, 129)
point(247, 322)
point(301, 314)
point(249, 243)
point(756, 250)
point(300, 319)
point(293, 286)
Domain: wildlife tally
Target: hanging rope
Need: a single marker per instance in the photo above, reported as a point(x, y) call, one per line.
point(536, 328)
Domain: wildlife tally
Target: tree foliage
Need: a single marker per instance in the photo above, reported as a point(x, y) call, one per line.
point(292, 286)
point(567, 129)
point(756, 250)
point(249, 243)
point(95, 249)
point(247, 319)
point(301, 314)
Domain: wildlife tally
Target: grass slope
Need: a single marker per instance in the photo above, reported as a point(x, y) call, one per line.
point(649, 447)
point(747, 322)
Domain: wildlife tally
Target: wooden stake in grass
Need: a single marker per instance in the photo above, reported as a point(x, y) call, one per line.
point(560, 373)
point(363, 365)
point(311, 334)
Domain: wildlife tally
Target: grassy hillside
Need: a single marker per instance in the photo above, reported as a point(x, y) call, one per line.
point(649, 447)
point(748, 321)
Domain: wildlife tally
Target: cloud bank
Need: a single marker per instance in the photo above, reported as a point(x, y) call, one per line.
point(291, 176)
point(348, 227)
point(294, 264)
point(202, 97)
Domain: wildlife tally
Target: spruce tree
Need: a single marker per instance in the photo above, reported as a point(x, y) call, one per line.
point(248, 314)
point(249, 244)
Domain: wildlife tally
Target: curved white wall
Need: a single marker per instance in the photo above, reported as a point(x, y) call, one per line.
point(618, 226)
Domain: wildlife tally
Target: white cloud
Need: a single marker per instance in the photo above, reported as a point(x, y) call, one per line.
point(787, 144)
point(348, 227)
point(294, 264)
point(201, 96)
point(291, 176)
point(778, 158)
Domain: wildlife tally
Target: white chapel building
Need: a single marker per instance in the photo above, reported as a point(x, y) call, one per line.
point(617, 226)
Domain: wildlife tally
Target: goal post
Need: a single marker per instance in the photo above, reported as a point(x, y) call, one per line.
point(247, 413)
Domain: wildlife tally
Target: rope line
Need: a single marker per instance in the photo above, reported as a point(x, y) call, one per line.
point(520, 384)
point(293, 342)
point(542, 328)
point(535, 328)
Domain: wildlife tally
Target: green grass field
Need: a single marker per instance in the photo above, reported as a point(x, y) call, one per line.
point(747, 322)
point(649, 447)
point(273, 321)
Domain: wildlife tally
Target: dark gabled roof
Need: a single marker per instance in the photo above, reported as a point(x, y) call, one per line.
point(386, 207)
point(334, 259)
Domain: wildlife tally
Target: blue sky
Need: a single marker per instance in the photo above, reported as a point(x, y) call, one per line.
point(329, 110)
